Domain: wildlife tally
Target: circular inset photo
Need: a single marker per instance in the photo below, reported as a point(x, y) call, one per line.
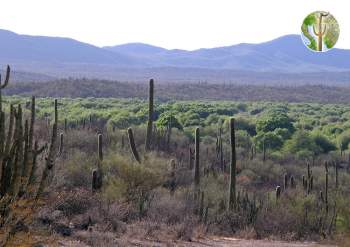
point(320, 31)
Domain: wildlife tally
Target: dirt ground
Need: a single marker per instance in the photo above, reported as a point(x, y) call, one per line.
point(220, 242)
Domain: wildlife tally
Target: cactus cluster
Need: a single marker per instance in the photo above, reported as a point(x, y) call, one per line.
point(19, 151)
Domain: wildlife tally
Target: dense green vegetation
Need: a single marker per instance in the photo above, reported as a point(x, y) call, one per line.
point(298, 128)
point(316, 90)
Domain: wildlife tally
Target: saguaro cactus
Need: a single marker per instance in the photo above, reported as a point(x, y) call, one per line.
point(99, 147)
point(292, 182)
point(3, 85)
point(133, 146)
point(326, 186)
point(321, 30)
point(285, 182)
point(232, 190)
point(196, 166)
point(96, 180)
point(51, 156)
point(150, 115)
point(190, 158)
point(60, 147)
point(219, 149)
point(336, 166)
point(278, 192)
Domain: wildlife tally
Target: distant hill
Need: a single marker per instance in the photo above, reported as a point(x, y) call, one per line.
point(284, 54)
point(284, 57)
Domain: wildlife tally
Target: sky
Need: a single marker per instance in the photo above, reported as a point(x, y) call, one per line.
point(181, 24)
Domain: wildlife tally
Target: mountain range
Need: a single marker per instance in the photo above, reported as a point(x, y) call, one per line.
point(283, 57)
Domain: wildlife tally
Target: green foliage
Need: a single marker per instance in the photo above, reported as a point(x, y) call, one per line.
point(273, 120)
point(302, 144)
point(344, 140)
point(324, 143)
point(270, 139)
point(168, 120)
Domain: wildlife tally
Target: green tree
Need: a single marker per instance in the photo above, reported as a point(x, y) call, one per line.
point(270, 139)
point(275, 120)
point(344, 140)
point(168, 119)
point(302, 142)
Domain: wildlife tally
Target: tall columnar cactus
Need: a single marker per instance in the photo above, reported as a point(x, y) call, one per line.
point(3, 85)
point(133, 146)
point(17, 165)
point(60, 146)
point(56, 112)
point(196, 166)
point(292, 182)
point(321, 31)
point(190, 158)
point(150, 115)
point(321, 196)
point(309, 179)
point(2, 116)
point(278, 192)
point(65, 125)
point(232, 190)
point(326, 186)
point(18, 157)
point(10, 130)
point(96, 180)
point(304, 183)
point(2, 133)
point(285, 182)
point(264, 151)
point(99, 147)
point(311, 184)
point(51, 155)
point(97, 175)
point(336, 166)
point(219, 149)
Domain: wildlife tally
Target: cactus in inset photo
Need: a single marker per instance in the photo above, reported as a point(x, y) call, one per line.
point(321, 30)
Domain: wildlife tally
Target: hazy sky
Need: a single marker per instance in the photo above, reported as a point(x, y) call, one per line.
point(184, 24)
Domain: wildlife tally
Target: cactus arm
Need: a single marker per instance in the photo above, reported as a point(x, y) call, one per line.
point(314, 29)
point(324, 30)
